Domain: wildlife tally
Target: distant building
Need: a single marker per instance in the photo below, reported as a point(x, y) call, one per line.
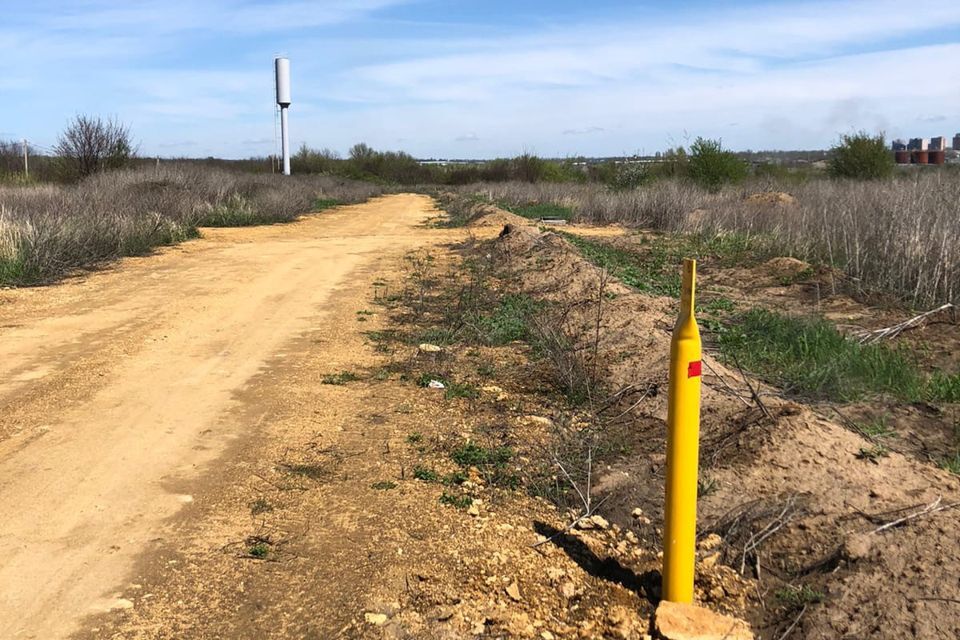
point(956, 142)
point(938, 144)
point(899, 145)
point(918, 144)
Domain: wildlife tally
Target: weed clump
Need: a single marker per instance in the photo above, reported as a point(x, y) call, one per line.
point(260, 505)
point(460, 502)
point(426, 474)
point(798, 597)
point(491, 462)
point(339, 378)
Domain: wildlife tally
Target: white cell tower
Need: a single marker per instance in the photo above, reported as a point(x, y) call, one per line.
point(282, 66)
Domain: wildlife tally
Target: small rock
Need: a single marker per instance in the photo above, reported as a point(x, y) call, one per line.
point(473, 510)
point(680, 621)
point(710, 543)
point(631, 537)
point(429, 348)
point(121, 604)
point(546, 422)
point(716, 594)
point(376, 619)
point(568, 590)
point(546, 635)
point(637, 513)
point(513, 591)
point(491, 389)
point(555, 573)
point(710, 561)
point(857, 547)
point(600, 522)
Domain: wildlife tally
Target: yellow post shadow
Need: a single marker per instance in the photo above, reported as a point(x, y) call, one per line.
point(683, 448)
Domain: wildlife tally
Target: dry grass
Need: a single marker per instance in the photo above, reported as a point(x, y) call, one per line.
point(49, 230)
point(900, 236)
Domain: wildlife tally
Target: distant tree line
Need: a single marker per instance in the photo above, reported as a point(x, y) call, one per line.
point(90, 145)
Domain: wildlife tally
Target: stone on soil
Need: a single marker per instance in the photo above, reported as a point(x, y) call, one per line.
point(680, 621)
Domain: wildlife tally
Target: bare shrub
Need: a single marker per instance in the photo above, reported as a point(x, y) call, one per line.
point(900, 236)
point(90, 144)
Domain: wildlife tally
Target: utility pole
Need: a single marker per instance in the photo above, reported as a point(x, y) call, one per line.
point(26, 160)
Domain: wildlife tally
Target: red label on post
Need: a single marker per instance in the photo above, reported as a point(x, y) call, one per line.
point(693, 369)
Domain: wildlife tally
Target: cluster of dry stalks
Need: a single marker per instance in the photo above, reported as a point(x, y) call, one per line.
point(900, 236)
point(47, 230)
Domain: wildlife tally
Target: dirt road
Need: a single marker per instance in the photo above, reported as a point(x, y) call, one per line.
point(115, 392)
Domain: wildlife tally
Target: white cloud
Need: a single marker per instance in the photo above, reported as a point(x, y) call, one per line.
point(787, 73)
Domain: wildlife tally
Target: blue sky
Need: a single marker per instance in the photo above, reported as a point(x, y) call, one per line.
point(482, 78)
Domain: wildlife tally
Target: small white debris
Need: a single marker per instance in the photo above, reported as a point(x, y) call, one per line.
point(430, 348)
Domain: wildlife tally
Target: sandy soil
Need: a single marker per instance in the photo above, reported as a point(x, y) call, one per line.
point(116, 391)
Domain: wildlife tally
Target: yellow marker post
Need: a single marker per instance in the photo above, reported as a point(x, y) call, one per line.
point(683, 448)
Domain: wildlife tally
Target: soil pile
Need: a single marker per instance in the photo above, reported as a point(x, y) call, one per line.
point(488, 215)
point(797, 500)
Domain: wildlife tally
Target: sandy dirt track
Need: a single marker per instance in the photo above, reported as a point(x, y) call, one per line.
point(115, 389)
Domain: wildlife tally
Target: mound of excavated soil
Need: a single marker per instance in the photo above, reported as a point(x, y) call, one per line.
point(771, 198)
point(491, 216)
point(784, 267)
point(796, 497)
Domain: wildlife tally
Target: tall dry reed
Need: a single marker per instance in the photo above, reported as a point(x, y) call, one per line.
point(48, 230)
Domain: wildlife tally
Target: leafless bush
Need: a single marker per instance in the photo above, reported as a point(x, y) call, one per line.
point(901, 236)
point(45, 231)
point(90, 144)
point(11, 157)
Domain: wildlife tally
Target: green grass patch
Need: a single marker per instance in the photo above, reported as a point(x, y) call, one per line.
point(536, 211)
point(415, 438)
point(460, 502)
point(952, 464)
point(15, 270)
point(461, 390)
point(426, 474)
point(490, 461)
point(655, 274)
point(384, 485)
point(473, 455)
point(322, 204)
point(809, 356)
point(877, 428)
point(339, 378)
point(943, 387)
point(799, 597)
point(259, 551)
point(654, 266)
point(510, 321)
